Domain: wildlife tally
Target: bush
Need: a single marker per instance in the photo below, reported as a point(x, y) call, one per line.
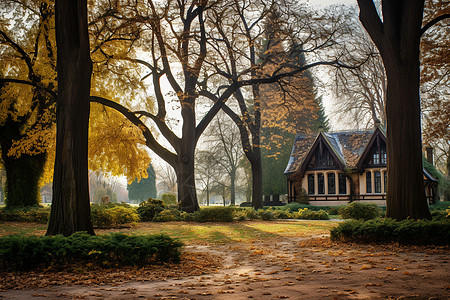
point(440, 205)
point(37, 214)
point(169, 199)
point(265, 214)
point(306, 214)
point(440, 215)
point(113, 215)
point(283, 214)
point(244, 213)
point(214, 214)
point(167, 215)
point(422, 232)
point(357, 210)
point(19, 252)
point(147, 210)
point(246, 204)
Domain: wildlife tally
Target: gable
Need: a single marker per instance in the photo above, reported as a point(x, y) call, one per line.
point(374, 154)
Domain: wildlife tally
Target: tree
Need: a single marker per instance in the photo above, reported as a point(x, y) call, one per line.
point(141, 190)
point(224, 150)
point(246, 22)
point(287, 108)
point(397, 38)
point(26, 51)
point(70, 204)
point(186, 39)
point(207, 172)
point(361, 91)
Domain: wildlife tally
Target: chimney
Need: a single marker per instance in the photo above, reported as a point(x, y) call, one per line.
point(429, 154)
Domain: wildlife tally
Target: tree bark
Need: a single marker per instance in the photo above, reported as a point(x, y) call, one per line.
point(257, 178)
point(70, 207)
point(233, 187)
point(405, 190)
point(398, 39)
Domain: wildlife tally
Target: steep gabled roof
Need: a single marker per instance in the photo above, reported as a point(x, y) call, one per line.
point(362, 158)
point(302, 144)
point(347, 147)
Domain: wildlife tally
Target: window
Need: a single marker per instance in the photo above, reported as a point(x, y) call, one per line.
point(324, 159)
point(310, 184)
point(377, 182)
point(331, 183)
point(383, 156)
point(385, 181)
point(320, 184)
point(342, 184)
point(368, 182)
point(376, 158)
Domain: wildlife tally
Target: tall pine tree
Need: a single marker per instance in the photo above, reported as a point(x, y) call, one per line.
point(288, 107)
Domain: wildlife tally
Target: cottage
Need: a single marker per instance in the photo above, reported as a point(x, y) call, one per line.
point(334, 168)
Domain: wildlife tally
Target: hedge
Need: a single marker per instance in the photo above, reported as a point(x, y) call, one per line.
point(18, 252)
point(410, 232)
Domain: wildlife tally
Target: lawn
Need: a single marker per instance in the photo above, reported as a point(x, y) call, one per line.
point(202, 233)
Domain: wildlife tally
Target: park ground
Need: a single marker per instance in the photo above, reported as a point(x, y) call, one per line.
point(247, 260)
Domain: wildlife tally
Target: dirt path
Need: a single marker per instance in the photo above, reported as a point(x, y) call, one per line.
point(296, 268)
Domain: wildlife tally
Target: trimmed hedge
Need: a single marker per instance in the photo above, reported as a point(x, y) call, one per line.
point(357, 210)
point(113, 215)
point(38, 214)
point(18, 252)
point(212, 214)
point(422, 232)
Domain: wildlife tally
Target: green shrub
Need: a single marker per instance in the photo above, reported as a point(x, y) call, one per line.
point(244, 213)
point(147, 210)
point(113, 215)
point(246, 204)
point(265, 214)
point(357, 210)
point(306, 214)
point(440, 215)
point(283, 214)
point(19, 252)
point(422, 232)
point(440, 205)
point(168, 214)
point(334, 210)
point(169, 199)
point(214, 214)
point(302, 198)
point(37, 214)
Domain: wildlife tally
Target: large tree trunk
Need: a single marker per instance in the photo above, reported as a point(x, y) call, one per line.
point(405, 190)
point(397, 37)
point(70, 208)
point(257, 178)
point(22, 173)
point(187, 194)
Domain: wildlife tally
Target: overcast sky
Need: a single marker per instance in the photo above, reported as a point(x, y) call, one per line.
point(329, 2)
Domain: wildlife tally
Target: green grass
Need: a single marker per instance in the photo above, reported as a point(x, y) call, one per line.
point(202, 233)
point(221, 233)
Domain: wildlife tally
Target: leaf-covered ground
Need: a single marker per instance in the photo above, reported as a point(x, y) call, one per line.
point(259, 260)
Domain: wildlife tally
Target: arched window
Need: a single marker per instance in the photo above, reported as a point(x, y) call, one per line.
point(331, 183)
point(377, 180)
point(320, 184)
point(342, 184)
point(310, 184)
point(368, 182)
